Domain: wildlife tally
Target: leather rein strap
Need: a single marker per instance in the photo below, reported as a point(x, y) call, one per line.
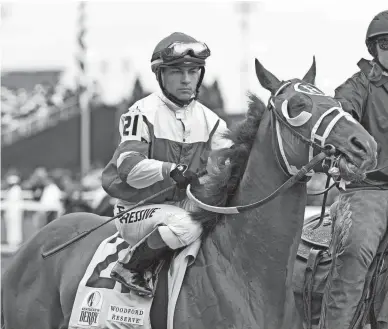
point(289, 183)
point(325, 152)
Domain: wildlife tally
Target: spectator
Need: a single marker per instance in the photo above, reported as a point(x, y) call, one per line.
point(75, 202)
point(47, 192)
point(14, 211)
point(51, 200)
point(38, 182)
point(102, 204)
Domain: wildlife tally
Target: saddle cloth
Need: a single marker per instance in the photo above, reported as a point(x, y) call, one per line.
point(104, 303)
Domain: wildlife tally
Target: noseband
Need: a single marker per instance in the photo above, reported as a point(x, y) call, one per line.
point(326, 152)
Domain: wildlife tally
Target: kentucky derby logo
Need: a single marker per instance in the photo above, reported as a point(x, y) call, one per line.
point(94, 299)
point(90, 310)
point(308, 89)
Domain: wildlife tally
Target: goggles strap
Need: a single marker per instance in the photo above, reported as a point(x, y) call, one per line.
point(202, 68)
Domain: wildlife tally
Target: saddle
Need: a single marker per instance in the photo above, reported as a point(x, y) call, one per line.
point(314, 257)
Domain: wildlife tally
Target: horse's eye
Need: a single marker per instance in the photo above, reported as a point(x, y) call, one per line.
point(297, 110)
point(298, 103)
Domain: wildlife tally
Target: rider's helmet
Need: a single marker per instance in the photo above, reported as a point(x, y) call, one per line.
point(377, 27)
point(179, 49)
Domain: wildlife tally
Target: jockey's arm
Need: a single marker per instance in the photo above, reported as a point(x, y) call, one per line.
point(133, 165)
point(352, 95)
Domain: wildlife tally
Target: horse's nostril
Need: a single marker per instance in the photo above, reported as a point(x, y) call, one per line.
point(358, 145)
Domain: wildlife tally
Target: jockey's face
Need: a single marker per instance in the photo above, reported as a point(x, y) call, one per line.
point(181, 82)
point(382, 52)
point(383, 57)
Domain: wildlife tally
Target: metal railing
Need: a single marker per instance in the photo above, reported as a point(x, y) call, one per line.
point(27, 195)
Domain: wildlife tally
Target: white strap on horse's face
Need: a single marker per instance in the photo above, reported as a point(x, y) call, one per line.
point(292, 170)
point(322, 139)
point(284, 85)
point(300, 120)
point(297, 121)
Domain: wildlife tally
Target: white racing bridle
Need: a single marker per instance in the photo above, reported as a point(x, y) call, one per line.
point(316, 141)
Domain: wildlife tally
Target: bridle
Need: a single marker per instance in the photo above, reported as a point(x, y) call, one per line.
point(316, 141)
point(325, 152)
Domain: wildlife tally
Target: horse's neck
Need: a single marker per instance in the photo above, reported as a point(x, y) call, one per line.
point(265, 240)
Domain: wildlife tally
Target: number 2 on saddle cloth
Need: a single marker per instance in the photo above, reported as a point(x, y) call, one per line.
point(96, 280)
point(102, 301)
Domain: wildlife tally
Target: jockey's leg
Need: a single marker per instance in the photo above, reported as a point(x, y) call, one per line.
point(361, 221)
point(144, 256)
point(173, 230)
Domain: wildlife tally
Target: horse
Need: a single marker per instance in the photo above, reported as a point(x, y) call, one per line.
point(242, 275)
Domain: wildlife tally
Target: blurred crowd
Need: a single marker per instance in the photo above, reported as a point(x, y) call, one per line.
point(19, 105)
point(58, 186)
point(46, 195)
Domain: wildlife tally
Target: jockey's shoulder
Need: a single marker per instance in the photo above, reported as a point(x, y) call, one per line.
point(146, 105)
point(206, 110)
point(371, 71)
point(211, 116)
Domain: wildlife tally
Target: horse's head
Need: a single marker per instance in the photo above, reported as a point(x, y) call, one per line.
point(298, 107)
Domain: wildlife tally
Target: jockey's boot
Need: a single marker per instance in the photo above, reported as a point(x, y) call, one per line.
point(131, 274)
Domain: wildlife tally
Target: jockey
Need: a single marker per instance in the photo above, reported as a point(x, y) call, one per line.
point(362, 214)
point(165, 138)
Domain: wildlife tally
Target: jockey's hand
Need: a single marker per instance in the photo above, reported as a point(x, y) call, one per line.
point(183, 177)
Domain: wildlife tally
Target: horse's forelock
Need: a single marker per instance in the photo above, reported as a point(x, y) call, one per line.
point(221, 185)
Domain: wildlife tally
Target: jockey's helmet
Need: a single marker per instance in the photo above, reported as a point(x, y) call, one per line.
point(377, 27)
point(179, 49)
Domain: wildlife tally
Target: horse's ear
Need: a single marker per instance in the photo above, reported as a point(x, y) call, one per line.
point(310, 75)
point(266, 78)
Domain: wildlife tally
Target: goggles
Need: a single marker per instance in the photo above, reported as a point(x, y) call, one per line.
point(382, 43)
point(179, 50)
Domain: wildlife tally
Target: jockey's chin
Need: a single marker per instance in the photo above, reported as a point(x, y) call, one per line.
point(349, 171)
point(184, 94)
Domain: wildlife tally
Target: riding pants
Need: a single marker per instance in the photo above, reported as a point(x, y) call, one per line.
point(359, 225)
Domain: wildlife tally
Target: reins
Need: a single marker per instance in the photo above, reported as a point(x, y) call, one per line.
point(326, 151)
point(330, 150)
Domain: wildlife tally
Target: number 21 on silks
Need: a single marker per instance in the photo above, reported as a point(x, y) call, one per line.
point(132, 126)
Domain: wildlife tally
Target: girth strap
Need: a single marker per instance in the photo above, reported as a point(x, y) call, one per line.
point(313, 260)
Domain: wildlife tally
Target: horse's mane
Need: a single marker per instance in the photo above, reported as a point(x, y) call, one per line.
point(221, 184)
